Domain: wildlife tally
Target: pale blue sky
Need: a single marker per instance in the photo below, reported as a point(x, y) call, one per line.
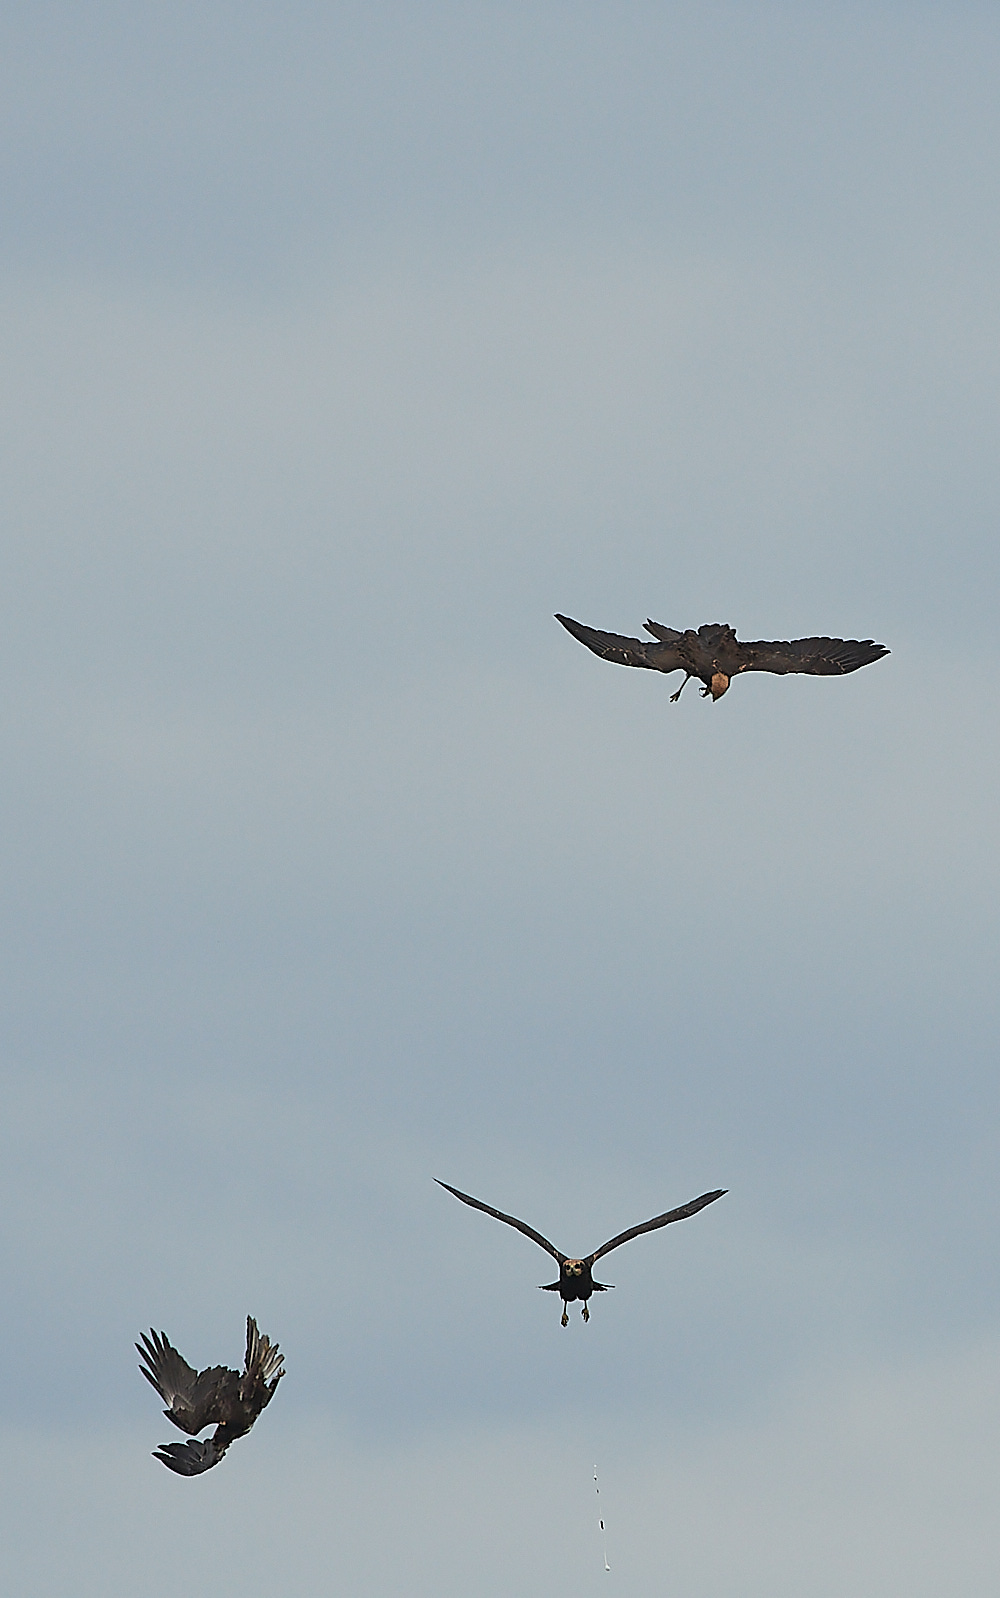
point(342, 345)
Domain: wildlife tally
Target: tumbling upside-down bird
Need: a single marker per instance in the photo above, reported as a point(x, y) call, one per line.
point(715, 655)
point(575, 1276)
point(227, 1399)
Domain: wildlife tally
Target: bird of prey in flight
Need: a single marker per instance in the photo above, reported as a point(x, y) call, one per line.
point(715, 655)
point(229, 1400)
point(575, 1276)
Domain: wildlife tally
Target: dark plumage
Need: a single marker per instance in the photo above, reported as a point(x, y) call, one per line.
point(576, 1276)
point(715, 655)
point(229, 1400)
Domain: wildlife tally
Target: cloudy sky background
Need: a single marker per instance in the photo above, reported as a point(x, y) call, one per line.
point(342, 345)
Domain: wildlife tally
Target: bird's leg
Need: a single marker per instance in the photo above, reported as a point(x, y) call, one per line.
point(565, 1315)
point(586, 1312)
point(687, 678)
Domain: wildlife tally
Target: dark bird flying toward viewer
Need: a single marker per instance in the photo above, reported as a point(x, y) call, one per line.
point(715, 655)
point(229, 1400)
point(576, 1276)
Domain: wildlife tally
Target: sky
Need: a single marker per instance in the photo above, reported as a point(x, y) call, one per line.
point(343, 345)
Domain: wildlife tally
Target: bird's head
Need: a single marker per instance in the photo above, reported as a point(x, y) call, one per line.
point(718, 685)
point(572, 1268)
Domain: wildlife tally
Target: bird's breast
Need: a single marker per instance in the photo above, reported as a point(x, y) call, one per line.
point(575, 1280)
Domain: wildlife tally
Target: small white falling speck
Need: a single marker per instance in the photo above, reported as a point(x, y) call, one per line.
point(604, 1535)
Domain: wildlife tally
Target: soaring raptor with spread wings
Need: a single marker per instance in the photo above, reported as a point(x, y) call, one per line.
point(715, 655)
point(576, 1276)
point(229, 1400)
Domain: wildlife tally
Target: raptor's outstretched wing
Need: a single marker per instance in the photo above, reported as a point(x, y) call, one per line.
point(509, 1220)
point(819, 657)
point(624, 651)
point(680, 1214)
point(263, 1361)
point(193, 1398)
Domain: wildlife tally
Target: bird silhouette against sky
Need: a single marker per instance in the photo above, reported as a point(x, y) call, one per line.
point(715, 655)
point(229, 1400)
point(576, 1279)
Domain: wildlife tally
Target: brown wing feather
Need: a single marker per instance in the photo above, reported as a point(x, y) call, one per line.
point(509, 1220)
point(263, 1359)
point(194, 1399)
point(189, 1459)
point(666, 635)
point(680, 1214)
point(623, 651)
point(819, 657)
